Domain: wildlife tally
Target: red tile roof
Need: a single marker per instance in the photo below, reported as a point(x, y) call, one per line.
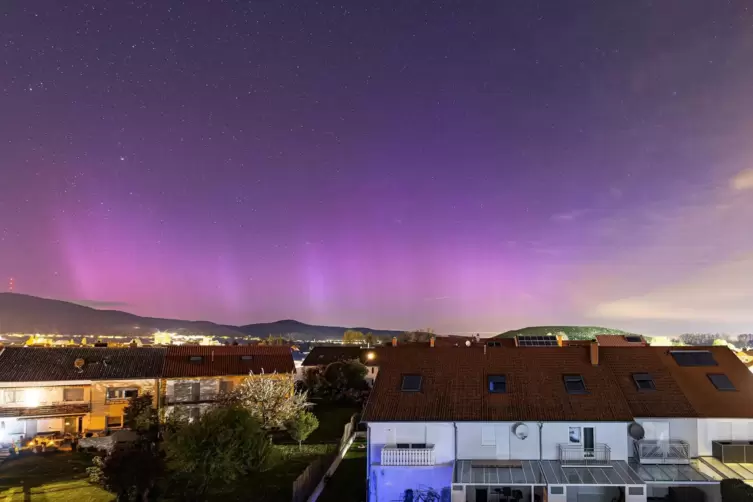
point(707, 400)
point(454, 386)
point(226, 360)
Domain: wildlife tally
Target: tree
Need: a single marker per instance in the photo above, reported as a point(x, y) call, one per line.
point(271, 399)
point(369, 338)
point(140, 416)
point(130, 473)
point(223, 447)
point(353, 336)
point(301, 426)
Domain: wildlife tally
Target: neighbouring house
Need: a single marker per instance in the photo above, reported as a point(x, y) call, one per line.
point(72, 390)
point(544, 422)
point(195, 376)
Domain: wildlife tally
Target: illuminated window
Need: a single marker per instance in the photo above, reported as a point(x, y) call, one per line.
point(121, 393)
point(13, 396)
point(114, 422)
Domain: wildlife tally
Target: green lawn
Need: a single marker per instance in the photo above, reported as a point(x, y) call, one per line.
point(349, 480)
point(59, 477)
point(332, 419)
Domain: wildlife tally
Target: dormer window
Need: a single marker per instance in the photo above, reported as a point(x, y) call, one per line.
point(574, 384)
point(411, 383)
point(497, 384)
point(196, 359)
point(644, 381)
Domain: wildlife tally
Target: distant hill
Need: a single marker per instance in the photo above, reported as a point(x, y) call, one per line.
point(572, 332)
point(30, 314)
point(296, 328)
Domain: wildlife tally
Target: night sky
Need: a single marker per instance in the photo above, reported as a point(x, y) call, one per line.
point(465, 166)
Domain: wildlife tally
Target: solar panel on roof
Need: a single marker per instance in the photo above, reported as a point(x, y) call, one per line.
point(537, 341)
point(693, 357)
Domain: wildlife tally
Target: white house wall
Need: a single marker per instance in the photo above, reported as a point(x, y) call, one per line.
point(700, 432)
point(440, 434)
point(508, 446)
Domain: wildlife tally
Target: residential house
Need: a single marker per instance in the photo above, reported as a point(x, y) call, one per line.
point(324, 355)
point(195, 376)
point(72, 390)
point(541, 421)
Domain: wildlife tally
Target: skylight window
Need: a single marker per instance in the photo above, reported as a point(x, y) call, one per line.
point(633, 338)
point(411, 383)
point(574, 384)
point(644, 381)
point(195, 359)
point(497, 384)
point(693, 357)
point(246, 358)
point(721, 381)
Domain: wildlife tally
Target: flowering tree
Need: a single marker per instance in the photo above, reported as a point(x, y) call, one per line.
point(270, 399)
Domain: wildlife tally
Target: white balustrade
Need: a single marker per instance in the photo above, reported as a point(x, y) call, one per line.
point(391, 455)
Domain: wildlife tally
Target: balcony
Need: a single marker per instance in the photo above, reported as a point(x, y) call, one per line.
point(415, 454)
point(737, 452)
point(55, 410)
point(657, 451)
point(578, 456)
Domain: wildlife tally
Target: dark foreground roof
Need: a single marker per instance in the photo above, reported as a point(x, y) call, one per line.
point(229, 360)
point(40, 364)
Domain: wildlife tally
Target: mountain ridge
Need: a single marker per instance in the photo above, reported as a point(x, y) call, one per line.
point(20, 313)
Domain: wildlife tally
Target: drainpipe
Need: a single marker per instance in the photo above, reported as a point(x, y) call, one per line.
point(541, 449)
point(455, 453)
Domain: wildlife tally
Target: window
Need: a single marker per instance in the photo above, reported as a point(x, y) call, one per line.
point(226, 386)
point(13, 396)
point(556, 490)
point(247, 358)
point(574, 384)
point(187, 391)
point(574, 435)
point(411, 383)
point(721, 381)
point(693, 357)
point(122, 393)
point(73, 394)
point(635, 490)
point(497, 384)
point(196, 359)
point(644, 381)
point(114, 422)
point(633, 338)
point(195, 413)
point(488, 438)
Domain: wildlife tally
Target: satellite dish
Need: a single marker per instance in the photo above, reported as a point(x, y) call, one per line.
point(467, 343)
point(79, 363)
point(520, 430)
point(636, 431)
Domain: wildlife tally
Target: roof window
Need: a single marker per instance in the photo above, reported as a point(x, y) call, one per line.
point(246, 358)
point(693, 357)
point(195, 359)
point(721, 381)
point(644, 381)
point(494, 344)
point(411, 383)
point(497, 384)
point(574, 384)
point(633, 338)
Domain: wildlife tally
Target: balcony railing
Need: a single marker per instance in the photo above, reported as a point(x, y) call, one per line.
point(658, 451)
point(408, 454)
point(578, 456)
point(45, 411)
point(740, 452)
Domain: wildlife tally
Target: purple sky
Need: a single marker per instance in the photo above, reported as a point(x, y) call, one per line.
point(471, 167)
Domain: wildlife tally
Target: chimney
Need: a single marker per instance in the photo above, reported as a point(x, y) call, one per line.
point(594, 353)
point(559, 340)
point(431, 341)
point(394, 341)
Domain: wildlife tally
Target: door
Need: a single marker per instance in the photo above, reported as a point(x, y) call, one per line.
point(588, 442)
point(482, 495)
point(69, 425)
